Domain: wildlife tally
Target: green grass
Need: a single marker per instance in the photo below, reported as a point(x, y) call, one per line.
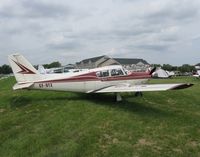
point(47, 123)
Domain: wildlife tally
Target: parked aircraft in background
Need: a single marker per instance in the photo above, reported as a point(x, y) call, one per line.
point(170, 73)
point(109, 79)
point(42, 70)
point(197, 75)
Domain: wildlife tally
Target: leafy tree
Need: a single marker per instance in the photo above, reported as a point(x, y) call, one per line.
point(186, 68)
point(5, 69)
point(52, 65)
point(167, 67)
point(55, 64)
point(174, 68)
point(156, 65)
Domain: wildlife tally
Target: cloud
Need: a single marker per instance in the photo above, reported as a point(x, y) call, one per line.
point(175, 11)
point(86, 28)
point(66, 46)
point(33, 9)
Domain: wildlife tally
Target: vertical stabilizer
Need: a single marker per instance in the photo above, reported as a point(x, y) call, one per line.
point(22, 69)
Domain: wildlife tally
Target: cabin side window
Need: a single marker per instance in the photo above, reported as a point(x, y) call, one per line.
point(104, 73)
point(116, 72)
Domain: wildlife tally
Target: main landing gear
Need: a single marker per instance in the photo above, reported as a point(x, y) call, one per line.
point(119, 98)
point(138, 94)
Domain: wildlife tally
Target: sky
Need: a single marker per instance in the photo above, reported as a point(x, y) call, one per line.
point(159, 31)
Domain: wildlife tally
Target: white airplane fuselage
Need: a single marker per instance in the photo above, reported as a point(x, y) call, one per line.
point(87, 81)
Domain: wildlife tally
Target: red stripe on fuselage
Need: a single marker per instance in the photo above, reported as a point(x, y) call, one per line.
point(92, 77)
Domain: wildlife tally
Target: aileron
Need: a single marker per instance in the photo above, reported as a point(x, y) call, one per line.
point(143, 88)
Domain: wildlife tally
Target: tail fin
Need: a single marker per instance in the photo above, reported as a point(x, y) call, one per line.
point(22, 69)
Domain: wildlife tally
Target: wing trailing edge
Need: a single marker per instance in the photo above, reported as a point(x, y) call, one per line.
point(143, 88)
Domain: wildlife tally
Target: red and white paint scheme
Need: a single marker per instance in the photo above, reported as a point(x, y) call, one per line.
point(107, 79)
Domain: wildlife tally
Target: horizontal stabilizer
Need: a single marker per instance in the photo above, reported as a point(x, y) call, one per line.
point(22, 85)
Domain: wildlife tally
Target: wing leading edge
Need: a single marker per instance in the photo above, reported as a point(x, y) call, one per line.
point(143, 88)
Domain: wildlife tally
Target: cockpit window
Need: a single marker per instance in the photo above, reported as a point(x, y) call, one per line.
point(116, 72)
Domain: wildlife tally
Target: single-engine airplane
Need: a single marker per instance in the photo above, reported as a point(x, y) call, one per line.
point(109, 79)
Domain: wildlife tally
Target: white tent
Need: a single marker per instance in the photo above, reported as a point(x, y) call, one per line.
point(160, 73)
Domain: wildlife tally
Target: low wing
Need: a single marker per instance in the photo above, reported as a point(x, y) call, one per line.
point(142, 88)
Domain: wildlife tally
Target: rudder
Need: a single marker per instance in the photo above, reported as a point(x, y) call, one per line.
point(22, 69)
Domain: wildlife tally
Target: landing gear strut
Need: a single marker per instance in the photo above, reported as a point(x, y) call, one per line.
point(138, 94)
point(118, 97)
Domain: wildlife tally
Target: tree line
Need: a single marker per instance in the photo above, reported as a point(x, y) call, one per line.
point(184, 68)
point(6, 69)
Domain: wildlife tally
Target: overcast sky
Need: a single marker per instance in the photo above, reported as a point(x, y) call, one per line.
point(160, 31)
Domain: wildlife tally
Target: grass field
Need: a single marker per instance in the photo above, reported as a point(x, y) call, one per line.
point(49, 124)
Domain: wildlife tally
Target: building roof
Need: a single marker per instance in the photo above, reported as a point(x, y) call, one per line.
point(94, 59)
point(197, 64)
point(125, 61)
point(105, 61)
point(69, 66)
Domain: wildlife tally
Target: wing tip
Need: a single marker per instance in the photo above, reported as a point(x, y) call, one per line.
point(182, 86)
